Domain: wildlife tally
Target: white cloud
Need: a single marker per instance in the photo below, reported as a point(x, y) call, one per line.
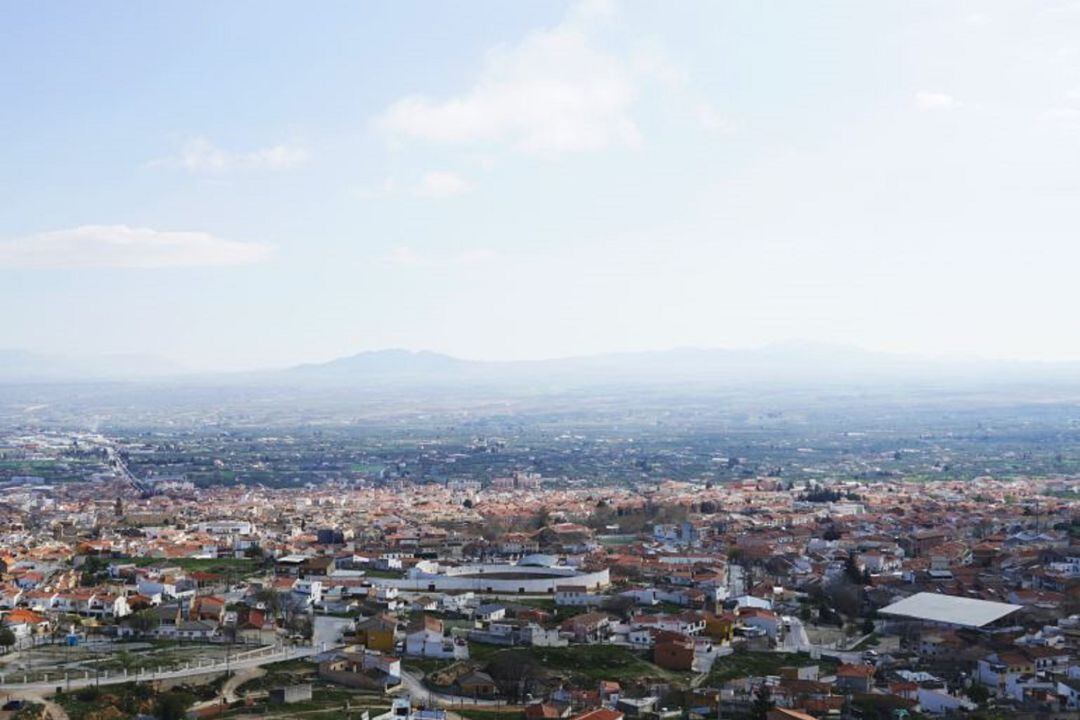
point(440, 184)
point(936, 101)
point(200, 155)
point(120, 246)
point(552, 92)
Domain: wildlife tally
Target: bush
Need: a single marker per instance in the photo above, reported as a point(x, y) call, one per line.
point(173, 705)
point(88, 694)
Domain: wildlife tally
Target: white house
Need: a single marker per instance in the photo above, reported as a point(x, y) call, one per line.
point(309, 592)
point(490, 611)
point(431, 641)
point(764, 620)
point(939, 702)
point(574, 596)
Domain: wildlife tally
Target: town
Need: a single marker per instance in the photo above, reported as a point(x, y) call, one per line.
point(136, 590)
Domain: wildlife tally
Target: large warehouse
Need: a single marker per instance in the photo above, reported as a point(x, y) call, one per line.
point(950, 610)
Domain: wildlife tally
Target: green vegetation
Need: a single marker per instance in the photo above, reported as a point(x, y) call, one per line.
point(327, 701)
point(427, 666)
point(288, 672)
point(7, 639)
point(616, 540)
point(588, 663)
point(758, 664)
point(480, 713)
point(30, 711)
point(220, 566)
point(128, 699)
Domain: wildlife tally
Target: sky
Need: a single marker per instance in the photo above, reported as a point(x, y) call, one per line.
point(256, 184)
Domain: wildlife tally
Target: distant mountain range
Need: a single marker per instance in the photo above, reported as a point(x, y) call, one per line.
point(383, 362)
point(784, 363)
point(793, 362)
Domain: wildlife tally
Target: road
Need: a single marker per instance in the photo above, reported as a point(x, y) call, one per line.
point(48, 688)
point(796, 639)
point(422, 696)
point(227, 694)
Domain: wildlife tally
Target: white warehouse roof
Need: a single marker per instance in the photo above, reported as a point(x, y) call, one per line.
point(951, 609)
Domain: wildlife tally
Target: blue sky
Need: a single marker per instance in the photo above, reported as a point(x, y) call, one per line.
point(236, 185)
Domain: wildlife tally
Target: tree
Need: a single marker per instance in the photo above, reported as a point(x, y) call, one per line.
point(7, 638)
point(515, 672)
point(619, 604)
point(299, 624)
point(94, 570)
point(125, 660)
point(851, 570)
point(540, 519)
point(271, 600)
point(763, 702)
point(172, 705)
point(978, 693)
point(845, 597)
point(144, 621)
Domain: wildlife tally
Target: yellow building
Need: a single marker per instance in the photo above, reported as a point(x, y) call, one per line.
point(377, 633)
point(720, 627)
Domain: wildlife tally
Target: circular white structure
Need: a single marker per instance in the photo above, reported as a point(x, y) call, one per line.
point(499, 579)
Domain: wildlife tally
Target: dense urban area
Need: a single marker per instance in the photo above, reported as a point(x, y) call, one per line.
point(780, 563)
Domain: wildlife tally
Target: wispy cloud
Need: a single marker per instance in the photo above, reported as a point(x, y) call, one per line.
point(554, 91)
point(929, 101)
point(200, 155)
point(121, 246)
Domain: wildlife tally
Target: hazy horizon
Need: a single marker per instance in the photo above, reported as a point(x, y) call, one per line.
point(802, 361)
point(242, 186)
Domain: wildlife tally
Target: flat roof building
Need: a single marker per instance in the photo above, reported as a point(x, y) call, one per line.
point(951, 610)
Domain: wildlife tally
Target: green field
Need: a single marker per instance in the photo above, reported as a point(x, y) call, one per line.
point(583, 662)
point(220, 566)
point(758, 664)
